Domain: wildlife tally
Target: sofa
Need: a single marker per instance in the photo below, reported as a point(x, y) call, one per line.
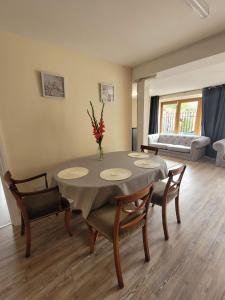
point(219, 147)
point(190, 147)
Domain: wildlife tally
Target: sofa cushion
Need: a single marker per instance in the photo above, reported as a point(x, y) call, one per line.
point(179, 148)
point(159, 145)
point(177, 139)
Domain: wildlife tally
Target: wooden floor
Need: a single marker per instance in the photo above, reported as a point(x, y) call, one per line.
point(191, 265)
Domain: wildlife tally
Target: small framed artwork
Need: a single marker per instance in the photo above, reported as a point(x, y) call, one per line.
point(106, 92)
point(52, 85)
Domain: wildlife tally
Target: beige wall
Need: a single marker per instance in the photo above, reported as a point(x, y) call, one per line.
point(134, 105)
point(41, 132)
point(134, 111)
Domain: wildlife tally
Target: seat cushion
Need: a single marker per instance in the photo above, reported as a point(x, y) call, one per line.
point(44, 204)
point(177, 139)
point(168, 139)
point(159, 145)
point(158, 193)
point(179, 148)
point(102, 219)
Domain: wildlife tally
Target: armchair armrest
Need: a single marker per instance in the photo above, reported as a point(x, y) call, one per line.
point(219, 146)
point(18, 181)
point(153, 138)
point(200, 142)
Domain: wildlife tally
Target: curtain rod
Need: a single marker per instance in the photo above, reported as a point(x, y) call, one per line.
point(207, 87)
point(215, 86)
point(181, 92)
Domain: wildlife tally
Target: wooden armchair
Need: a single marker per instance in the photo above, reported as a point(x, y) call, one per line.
point(165, 192)
point(116, 222)
point(149, 148)
point(36, 205)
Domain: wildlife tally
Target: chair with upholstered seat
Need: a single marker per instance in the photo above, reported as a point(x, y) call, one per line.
point(36, 205)
point(149, 148)
point(115, 221)
point(165, 192)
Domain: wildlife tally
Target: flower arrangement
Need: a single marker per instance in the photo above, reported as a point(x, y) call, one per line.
point(98, 128)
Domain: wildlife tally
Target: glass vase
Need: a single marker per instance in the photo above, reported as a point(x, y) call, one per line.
point(100, 152)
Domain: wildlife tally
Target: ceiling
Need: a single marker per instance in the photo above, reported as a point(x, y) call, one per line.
point(128, 32)
point(193, 76)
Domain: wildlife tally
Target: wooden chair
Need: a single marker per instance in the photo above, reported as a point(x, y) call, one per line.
point(149, 148)
point(38, 204)
point(165, 192)
point(117, 221)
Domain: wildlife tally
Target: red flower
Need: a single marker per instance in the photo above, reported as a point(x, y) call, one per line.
point(98, 128)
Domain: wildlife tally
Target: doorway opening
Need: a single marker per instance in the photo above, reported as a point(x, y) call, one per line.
point(4, 212)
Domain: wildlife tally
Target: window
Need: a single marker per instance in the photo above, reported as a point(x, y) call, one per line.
point(181, 116)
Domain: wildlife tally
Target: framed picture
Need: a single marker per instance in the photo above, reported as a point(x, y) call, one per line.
point(106, 92)
point(52, 85)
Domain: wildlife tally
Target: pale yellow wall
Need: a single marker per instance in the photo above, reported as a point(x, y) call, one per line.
point(134, 111)
point(41, 132)
point(134, 105)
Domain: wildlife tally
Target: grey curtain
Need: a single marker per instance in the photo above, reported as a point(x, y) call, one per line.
point(213, 115)
point(154, 112)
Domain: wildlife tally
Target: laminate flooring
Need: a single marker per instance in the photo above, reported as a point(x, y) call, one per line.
point(191, 265)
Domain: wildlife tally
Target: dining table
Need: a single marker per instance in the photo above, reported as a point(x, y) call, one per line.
point(91, 191)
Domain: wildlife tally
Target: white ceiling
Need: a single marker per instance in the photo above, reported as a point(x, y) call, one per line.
point(127, 32)
point(193, 76)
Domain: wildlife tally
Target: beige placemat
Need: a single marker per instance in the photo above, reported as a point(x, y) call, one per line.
point(115, 174)
point(146, 164)
point(73, 173)
point(138, 155)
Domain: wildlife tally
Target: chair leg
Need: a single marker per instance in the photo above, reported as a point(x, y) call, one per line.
point(117, 263)
point(22, 226)
point(177, 209)
point(28, 238)
point(145, 243)
point(164, 221)
point(67, 221)
point(93, 238)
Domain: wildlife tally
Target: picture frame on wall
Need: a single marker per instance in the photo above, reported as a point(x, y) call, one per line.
point(106, 93)
point(53, 86)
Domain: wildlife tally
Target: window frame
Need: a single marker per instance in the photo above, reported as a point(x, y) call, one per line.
point(197, 130)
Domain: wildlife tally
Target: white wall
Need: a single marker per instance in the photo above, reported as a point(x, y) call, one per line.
point(200, 50)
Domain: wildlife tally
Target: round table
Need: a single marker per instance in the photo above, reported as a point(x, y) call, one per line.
point(91, 191)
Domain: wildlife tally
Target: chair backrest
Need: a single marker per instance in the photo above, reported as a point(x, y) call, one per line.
point(20, 196)
point(135, 206)
point(10, 182)
point(13, 188)
point(149, 148)
point(173, 184)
